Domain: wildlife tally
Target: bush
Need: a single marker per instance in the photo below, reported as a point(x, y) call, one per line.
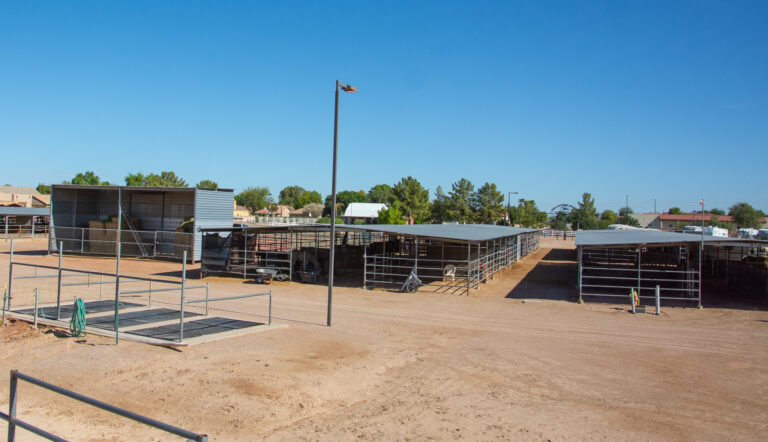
point(327, 220)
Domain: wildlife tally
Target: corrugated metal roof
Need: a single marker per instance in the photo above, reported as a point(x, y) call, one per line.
point(363, 210)
point(25, 211)
point(637, 237)
point(134, 188)
point(452, 232)
point(447, 232)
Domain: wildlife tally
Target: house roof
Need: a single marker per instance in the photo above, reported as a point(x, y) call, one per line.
point(691, 217)
point(364, 210)
point(19, 190)
point(25, 211)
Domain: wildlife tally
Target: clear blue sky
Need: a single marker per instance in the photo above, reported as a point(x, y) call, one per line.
point(664, 100)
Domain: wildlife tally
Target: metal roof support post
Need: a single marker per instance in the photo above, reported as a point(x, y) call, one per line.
point(580, 253)
point(181, 304)
point(416, 259)
point(58, 284)
point(365, 263)
point(6, 225)
point(469, 259)
point(639, 268)
point(701, 253)
point(245, 252)
point(10, 274)
point(118, 247)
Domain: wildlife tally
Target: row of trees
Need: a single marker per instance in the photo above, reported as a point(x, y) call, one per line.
point(163, 179)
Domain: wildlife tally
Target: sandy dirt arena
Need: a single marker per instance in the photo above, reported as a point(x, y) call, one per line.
point(408, 366)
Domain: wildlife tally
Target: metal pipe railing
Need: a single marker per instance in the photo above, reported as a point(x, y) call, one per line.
point(13, 422)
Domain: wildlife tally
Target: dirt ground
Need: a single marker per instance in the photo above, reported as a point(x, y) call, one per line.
point(517, 359)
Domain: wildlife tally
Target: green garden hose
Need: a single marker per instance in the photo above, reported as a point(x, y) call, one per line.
point(77, 323)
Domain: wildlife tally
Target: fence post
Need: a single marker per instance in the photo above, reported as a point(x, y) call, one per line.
point(150, 292)
point(181, 306)
point(206, 299)
point(658, 300)
point(58, 283)
point(10, 275)
point(12, 398)
point(82, 240)
point(117, 285)
point(270, 308)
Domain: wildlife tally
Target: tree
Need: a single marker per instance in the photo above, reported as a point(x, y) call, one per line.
point(314, 210)
point(745, 215)
point(440, 206)
point(717, 212)
point(624, 211)
point(413, 198)
point(254, 198)
point(629, 220)
point(714, 221)
point(207, 184)
point(585, 216)
point(391, 214)
point(290, 195)
point(462, 201)
point(490, 204)
point(88, 178)
point(165, 179)
point(135, 179)
point(44, 189)
point(560, 221)
point(607, 218)
point(381, 193)
point(675, 211)
point(527, 214)
point(308, 197)
point(343, 199)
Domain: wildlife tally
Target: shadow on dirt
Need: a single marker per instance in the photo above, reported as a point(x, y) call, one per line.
point(553, 278)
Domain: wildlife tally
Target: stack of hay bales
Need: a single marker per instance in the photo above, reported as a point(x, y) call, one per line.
point(101, 236)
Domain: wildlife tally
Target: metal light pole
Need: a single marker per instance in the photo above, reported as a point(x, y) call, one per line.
point(332, 246)
point(701, 248)
point(509, 200)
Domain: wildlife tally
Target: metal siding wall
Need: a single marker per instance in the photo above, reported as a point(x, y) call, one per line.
point(63, 202)
point(213, 208)
point(178, 205)
point(107, 204)
point(148, 207)
point(87, 207)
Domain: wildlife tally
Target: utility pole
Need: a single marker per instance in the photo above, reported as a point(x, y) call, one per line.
point(654, 205)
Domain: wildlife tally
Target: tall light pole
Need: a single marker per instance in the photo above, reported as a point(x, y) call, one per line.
point(332, 250)
point(509, 200)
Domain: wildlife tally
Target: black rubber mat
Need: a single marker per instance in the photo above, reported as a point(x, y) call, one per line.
point(91, 307)
point(137, 318)
point(192, 329)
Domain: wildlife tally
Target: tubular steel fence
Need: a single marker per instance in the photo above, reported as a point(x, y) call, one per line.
point(135, 243)
point(14, 422)
point(154, 286)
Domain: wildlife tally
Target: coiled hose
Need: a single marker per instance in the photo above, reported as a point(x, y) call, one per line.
point(77, 323)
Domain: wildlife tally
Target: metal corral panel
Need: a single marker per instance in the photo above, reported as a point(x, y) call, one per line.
point(213, 208)
point(450, 232)
point(637, 237)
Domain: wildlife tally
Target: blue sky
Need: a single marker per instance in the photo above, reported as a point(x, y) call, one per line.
point(657, 100)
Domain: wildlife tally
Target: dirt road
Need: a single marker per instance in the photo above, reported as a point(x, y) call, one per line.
point(414, 366)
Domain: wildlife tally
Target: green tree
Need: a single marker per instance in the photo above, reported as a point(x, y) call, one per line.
point(526, 214)
point(629, 220)
point(413, 198)
point(381, 193)
point(135, 179)
point(607, 218)
point(207, 184)
point(165, 179)
point(745, 215)
point(87, 178)
point(585, 215)
point(462, 201)
point(44, 189)
point(254, 198)
point(290, 195)
point(343, 199)
point(717, 212)
point(391, 214)
point(624, 211)
point(440, 206)
point(490, 204)
point(714, 221)
point(308, 197)
point(675, 211)
point(560, 221)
